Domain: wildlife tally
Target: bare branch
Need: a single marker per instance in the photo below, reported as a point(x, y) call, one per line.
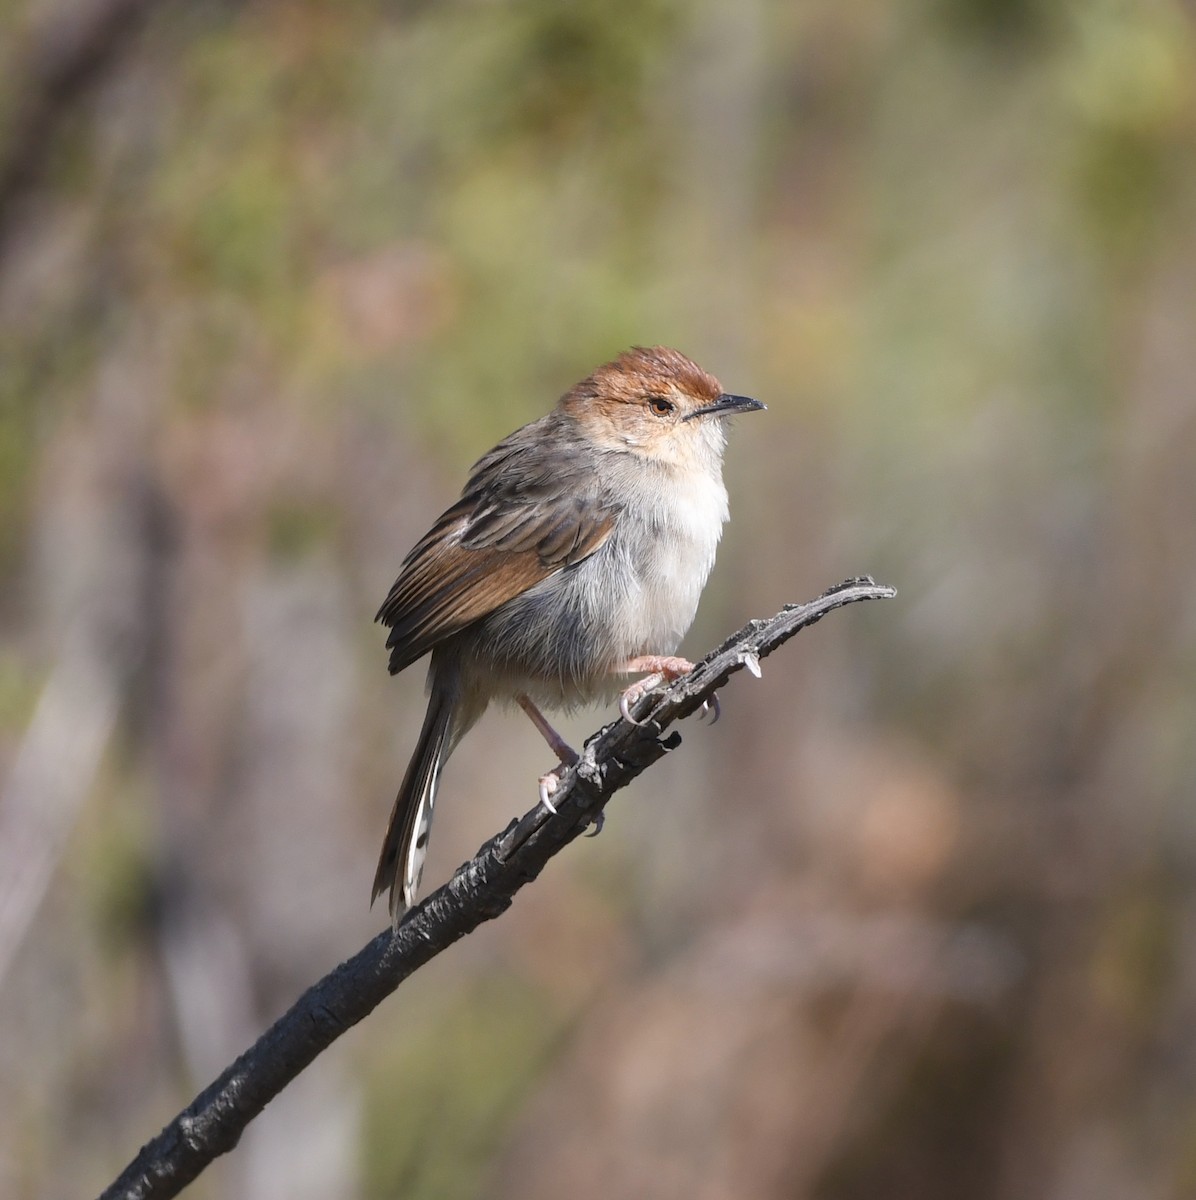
point(480, 890)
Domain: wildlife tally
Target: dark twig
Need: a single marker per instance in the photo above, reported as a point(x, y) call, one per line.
point(480, 890)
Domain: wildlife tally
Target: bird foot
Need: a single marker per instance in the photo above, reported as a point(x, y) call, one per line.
point(662, 668)
point(551, 780)
point(549, 783)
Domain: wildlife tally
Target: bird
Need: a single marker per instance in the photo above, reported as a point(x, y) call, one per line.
point(574, 558)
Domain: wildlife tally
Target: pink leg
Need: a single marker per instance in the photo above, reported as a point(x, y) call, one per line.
point(560, 747)
point(668, 666)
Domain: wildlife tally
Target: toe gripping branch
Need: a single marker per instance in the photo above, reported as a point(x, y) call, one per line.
point(618, 753)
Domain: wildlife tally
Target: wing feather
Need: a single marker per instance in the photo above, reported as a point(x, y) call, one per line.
point(533, 506)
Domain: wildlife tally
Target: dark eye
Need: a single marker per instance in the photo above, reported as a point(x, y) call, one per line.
point(660, 406)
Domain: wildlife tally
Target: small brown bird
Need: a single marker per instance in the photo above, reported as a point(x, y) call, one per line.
point(575, 556)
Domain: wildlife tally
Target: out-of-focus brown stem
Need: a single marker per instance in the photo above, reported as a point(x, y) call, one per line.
point(61, 64)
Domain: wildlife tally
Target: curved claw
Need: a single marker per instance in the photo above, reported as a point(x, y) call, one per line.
point(596, 828)
point(626, 700)
point(546, 790)
point(636, 692)
point(711, 710)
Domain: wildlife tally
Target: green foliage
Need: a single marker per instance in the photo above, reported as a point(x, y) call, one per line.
point(118, 872)
point(437, 1106)
point(17, 454)
point(295, 529)
point(1130, 79)
point(18, 694)
point(1138, 954)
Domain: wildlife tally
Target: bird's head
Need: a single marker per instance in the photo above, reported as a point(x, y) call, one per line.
point(656, 403)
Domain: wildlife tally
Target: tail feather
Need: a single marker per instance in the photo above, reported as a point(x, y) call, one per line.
point(401, 862)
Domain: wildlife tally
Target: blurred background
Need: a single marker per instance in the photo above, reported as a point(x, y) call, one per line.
point(916, 918)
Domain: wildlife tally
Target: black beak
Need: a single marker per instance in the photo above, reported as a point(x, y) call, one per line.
point(726, 406)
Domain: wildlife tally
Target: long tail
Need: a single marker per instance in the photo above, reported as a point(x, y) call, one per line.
point(402, 859)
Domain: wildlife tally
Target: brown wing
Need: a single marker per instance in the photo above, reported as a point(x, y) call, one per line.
point(532, 507)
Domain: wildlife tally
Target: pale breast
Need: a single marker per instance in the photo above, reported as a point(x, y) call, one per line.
point(671, 541)
point(563, 640)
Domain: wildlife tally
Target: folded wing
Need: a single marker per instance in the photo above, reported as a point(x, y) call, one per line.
point(531, 508)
